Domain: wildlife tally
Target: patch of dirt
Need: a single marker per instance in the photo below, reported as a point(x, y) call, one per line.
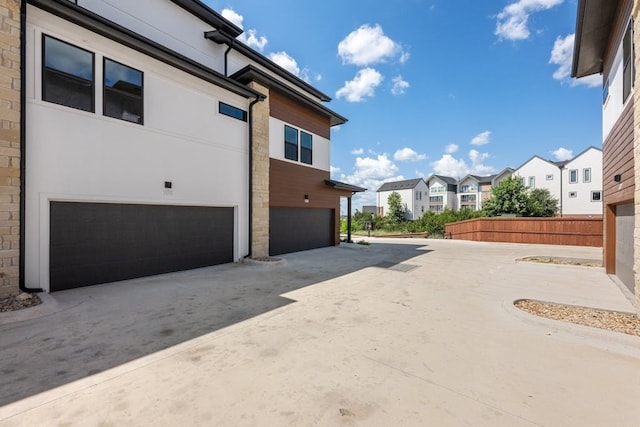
point(18, 302)
point(563, 261)
point(625, 323)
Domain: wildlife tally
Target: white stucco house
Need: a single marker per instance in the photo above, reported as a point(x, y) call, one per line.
point(582, 184)
point(541, 173)
point(442, 193)
point(473, 190)
point(156, 142)
point(413, 193)
point(575, 183)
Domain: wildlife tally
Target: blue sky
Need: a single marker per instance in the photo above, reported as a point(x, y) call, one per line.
point(433, 86)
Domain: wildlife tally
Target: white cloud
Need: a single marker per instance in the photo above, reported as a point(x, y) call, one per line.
point(512, 21)
point(399, 86)
point(334, 170)
point(447, 165)
point(368, 45)
point(420, 174)
point(286, 62)
point(477, 163)
point(358, 151)
point(371, 173)
point(250, 37)
point(562, 154)
point(481, 139)
point(408, 155)
point(457, 168)
point(451, 148)
point(363, 85)
point(562, 56)
point(233, 16)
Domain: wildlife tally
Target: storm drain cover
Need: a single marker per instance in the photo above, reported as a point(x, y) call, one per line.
point(404, 268)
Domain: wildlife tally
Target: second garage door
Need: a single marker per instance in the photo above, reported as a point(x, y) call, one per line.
point(299, 229)
point(92, 243)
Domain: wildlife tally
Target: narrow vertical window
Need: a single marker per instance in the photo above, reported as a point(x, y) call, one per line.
point(290, 143)
point(586, 175)
point(306, 148)
point(532, 182)
point(122, 92)
point(573, 176)
point(67, 75)
point(627, 58)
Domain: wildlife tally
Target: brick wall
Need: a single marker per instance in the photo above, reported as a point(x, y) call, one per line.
point(9, 145)
point(636, 154)
point(260, 172)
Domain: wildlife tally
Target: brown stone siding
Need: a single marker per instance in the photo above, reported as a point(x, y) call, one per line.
point(9, 146)
point(260, 173)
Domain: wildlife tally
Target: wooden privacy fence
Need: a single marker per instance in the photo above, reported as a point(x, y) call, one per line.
point(546, 231)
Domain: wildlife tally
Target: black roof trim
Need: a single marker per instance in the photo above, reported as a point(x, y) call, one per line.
point(210, 16)
point(251, 73)
point(272, 66)
point(594, 23)
point(344, 186)
point(406, 184)
point(106, 28)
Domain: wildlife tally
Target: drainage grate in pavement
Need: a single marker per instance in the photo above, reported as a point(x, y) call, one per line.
point(404, 268)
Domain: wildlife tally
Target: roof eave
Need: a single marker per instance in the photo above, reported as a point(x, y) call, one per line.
point(593, 26)
point(250, 73)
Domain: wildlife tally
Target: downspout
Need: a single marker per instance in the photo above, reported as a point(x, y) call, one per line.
point(561, 178)
point(226, 53)
point(254, 102)
point(23, 139)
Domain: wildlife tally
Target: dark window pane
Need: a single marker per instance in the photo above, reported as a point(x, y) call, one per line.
point(122, 92)
point(306, 148)
point(231, 111)
point(628, 65)
point(67, 75)
point(290, 143)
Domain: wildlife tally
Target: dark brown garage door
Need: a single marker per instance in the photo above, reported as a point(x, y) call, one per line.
point(93, 243)
point(296, 229)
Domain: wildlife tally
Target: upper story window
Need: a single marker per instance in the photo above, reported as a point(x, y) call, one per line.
point(605, 92)
point(294, 140)
point(290, 143)
point(67, 75)
point(231, 111)
point(573, 176)
point(550, 177)
point(437, 189)
point(586, 175)
point(532, 182)
point(627, 60)
point(306, 148)
point(122, 92)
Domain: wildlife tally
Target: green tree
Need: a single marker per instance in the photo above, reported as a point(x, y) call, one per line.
point(509, 197)
point(512, 197)
point(397, 212)
point(542, 203)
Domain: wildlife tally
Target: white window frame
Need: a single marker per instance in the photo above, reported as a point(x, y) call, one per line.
point(571, 171)
point(573, 194)
point(586, 175)
point(599, 195)
point(550, 177)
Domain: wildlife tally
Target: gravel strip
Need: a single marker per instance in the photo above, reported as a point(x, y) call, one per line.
point(18, 302)
point(625, 323)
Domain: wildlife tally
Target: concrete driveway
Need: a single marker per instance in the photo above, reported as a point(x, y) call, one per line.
point(402, 332)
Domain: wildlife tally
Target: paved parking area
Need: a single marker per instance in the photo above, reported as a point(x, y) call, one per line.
point(401, 332)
